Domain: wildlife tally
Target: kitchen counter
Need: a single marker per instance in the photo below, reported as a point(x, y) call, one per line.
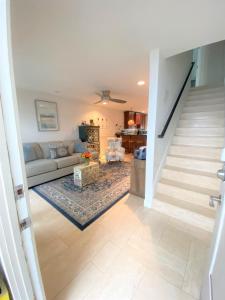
point(132, 142)
point(133, 134)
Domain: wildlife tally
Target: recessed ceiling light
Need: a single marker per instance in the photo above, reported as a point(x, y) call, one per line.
point(141, 82)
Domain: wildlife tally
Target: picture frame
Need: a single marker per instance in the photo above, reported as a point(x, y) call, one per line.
point(47, 115)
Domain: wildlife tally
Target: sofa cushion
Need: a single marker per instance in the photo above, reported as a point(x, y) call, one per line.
point(32, 151)
point(45, 147)
point(40, 166)
point(67, 161)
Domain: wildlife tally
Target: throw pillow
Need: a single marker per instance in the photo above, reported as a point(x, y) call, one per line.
point(80, 147)
point(71, 148)
point(58, 151)
point(29, 152)
point(70, 144)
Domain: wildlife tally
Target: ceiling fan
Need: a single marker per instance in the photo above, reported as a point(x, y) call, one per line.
point(105, 98)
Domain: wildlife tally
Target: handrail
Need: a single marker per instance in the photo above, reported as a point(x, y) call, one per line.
point(161, 135)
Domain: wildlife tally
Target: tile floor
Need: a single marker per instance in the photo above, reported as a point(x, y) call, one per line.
point(129, 253)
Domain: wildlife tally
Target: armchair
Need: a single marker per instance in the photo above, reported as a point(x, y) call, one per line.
point(114, 151)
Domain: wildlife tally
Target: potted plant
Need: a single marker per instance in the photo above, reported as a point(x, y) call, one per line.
point(86, 157)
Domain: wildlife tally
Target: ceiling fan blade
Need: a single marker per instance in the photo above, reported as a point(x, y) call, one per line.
point(99, 94)
point(98, 102)
point(118, 100)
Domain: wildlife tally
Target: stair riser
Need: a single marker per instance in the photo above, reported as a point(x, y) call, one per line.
point(204, 102)
point(204, 182)
point(198, 141)
point(210, 108)
point(200, 131)
point(198, 152)
point(192, 164)
point(183, 195)
point(201, 123)
point(198, 90)
point(203, 115)
point(192, 207)
point(184, 215)
point(206, 95)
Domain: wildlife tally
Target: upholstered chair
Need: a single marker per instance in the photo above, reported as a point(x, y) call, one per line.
point(114, 151)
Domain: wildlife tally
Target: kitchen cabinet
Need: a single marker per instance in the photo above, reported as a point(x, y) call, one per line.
point(138, 118)
point(133, 142)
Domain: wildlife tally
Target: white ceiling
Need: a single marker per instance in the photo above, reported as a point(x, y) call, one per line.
point(79, 47)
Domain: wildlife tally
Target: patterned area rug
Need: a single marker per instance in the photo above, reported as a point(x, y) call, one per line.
point(82, 206)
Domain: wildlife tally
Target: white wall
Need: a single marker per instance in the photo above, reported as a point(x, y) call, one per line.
point(166, 79)
point(70, 113)
point(202, 62)
point(211, 64)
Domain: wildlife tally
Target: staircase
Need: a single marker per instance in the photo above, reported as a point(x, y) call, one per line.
point(189, 175)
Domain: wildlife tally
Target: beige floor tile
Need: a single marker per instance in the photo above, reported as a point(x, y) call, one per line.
point(120, 286)
point(176, 242)
point(58, 273)
point(79, 287)
point(121, 281)
point(63, 268)
point(195, 268)
point(159, 260)
point(47, 251)
point(192, 231)
point(117, 255)
point(103, 259)
point(120, 236)
point(134, 202)
point(153, 286)
point(69, 233)
point(146, 232)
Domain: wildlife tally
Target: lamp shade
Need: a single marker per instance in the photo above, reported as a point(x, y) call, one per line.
point(130, 122)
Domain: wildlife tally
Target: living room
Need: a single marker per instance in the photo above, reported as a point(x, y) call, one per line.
point(54, 108)
point(108, 139)
point(77, 113)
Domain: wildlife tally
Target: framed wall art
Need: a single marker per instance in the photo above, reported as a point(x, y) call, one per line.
point(47, 115)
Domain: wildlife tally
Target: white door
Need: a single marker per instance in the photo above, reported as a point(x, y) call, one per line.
point(12, 253)
point(12, 176)
point(214, 283)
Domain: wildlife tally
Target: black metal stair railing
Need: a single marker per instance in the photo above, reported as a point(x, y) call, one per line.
point(161, 135)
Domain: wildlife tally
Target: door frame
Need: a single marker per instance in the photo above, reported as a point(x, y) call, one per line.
point(18, 250)
point(11, 251)
point(218, 233)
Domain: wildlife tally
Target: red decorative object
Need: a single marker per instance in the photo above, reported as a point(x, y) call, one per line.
point(86, 157)
point(86, 154)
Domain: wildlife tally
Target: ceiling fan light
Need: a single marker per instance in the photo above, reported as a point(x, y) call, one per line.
point(105, 102)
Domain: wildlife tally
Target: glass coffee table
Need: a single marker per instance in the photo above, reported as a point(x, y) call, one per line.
point(86, 174)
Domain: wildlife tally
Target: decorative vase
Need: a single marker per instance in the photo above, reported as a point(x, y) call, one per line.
point(86, 161)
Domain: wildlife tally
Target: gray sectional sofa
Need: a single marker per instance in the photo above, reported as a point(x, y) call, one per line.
point(40, 167)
